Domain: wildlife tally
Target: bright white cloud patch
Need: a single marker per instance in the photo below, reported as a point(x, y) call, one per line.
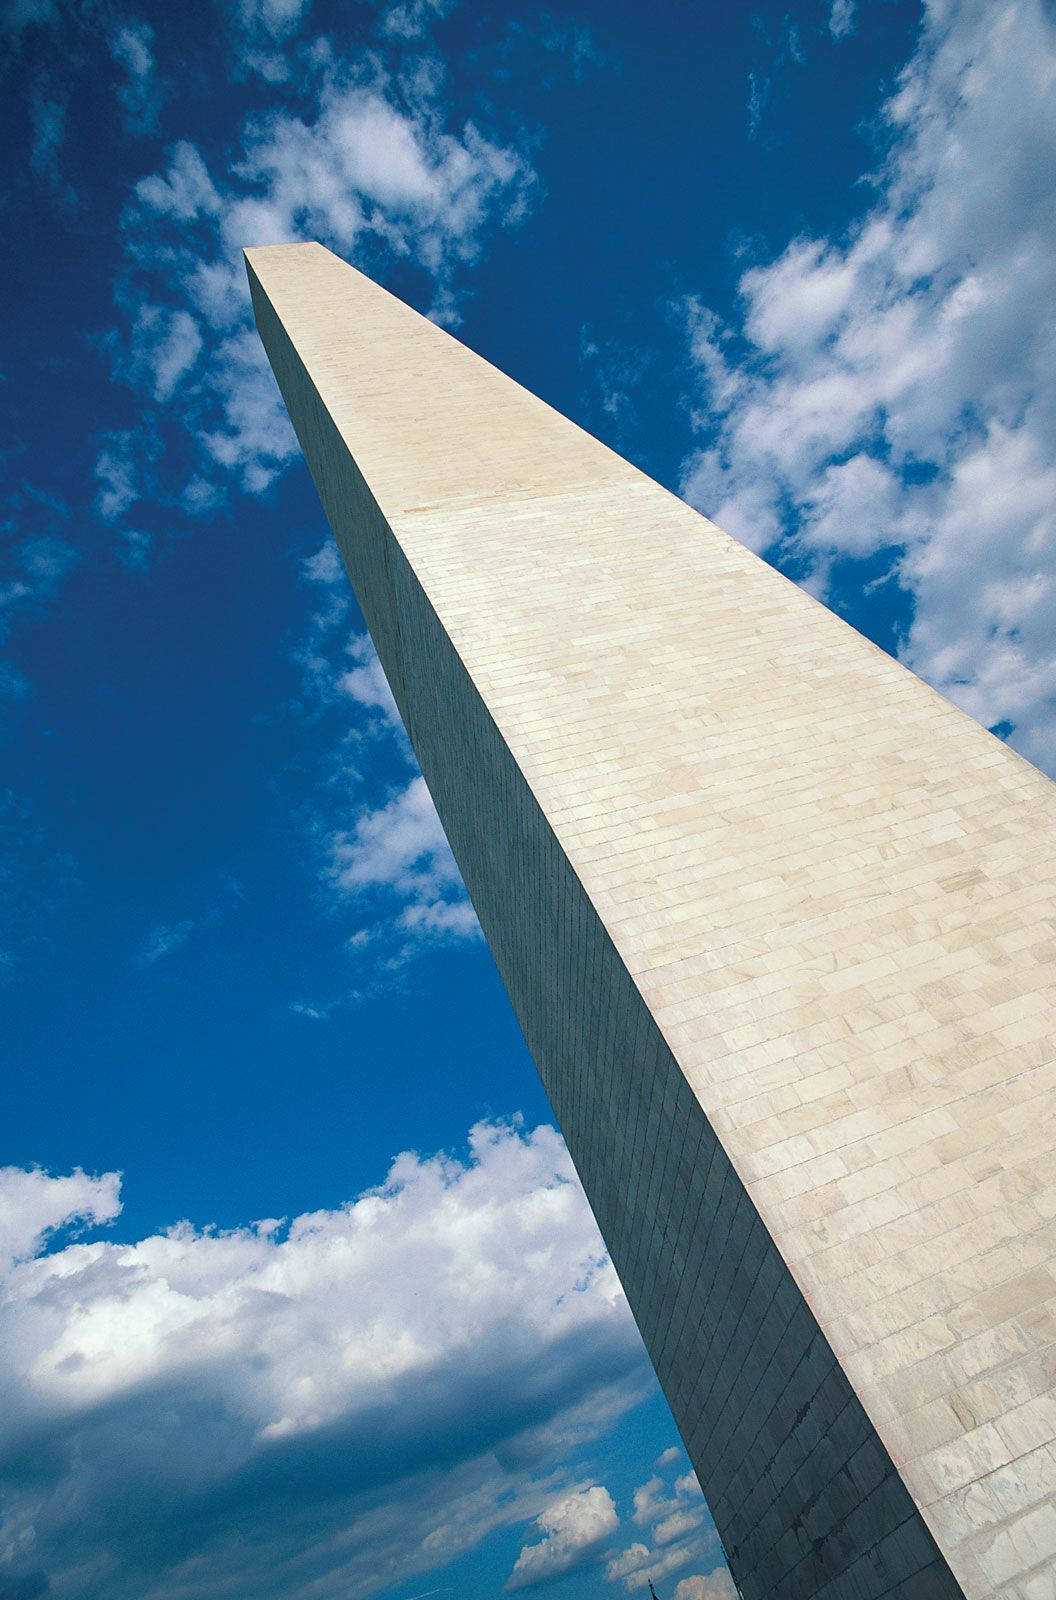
point(717, 1585)
point(321, 1408)
point(374, 165)
point(364, 681)
point(572, 1528)
point(34, 1205)
point(841, 23)
point(895, 391)
point(401, 847)
point(675, 1523)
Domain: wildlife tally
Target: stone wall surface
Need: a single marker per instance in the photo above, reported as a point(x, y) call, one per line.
point(778, 923)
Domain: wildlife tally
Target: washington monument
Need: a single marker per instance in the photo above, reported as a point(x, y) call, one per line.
point(777, 922)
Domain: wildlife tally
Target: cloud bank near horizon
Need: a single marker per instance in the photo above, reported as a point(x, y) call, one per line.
point(400, 1375)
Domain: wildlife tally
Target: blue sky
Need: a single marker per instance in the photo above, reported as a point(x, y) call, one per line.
point(300, 1295)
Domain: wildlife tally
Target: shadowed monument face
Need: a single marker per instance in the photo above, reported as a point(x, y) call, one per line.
point(775, 919)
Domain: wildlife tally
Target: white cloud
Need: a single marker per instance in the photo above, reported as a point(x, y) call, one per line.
point(164, 346)
point(409, 19)
point(573, 1526)
point(132, 47)
point(137, 548)
point(654, 1502)
point(263, 37)
point(184, 192)
point(637, 1565)
point(895, 390)
point(319, 1408)
point(164, 939)
point(718, 1585)
point(200, 497)
point(48, 119)
point(115, 472)
point(377, 166)
point(400, 847)
point(365, 682)
point(841, 23)
point(279, 18)
point(325, 566)
point(677, 1526)
point(393, 865)
point(402, 844)
point(34, 1205)
point(37, 556)
point(680, 1532)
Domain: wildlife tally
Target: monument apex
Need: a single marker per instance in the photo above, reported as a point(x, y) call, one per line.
point(777, 922)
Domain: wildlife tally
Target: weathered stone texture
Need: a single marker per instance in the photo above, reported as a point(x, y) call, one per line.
point(778, 923)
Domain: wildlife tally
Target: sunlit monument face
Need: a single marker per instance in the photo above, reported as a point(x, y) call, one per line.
point(768, 910)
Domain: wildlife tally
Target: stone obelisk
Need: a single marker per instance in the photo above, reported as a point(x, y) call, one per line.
point(777, 922)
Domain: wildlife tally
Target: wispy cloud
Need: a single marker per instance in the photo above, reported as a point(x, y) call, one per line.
point(37, 556)
point(166, 938)
point(140, 93)
point(410, 19)
point(18, 15)
point(354, 1367)
point(163, 940)
point(892, 393)
point(775, 48)
point(262, 31)
point(48, 117)
point(385, 857)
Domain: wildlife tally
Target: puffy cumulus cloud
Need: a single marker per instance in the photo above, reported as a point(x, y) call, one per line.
point(892, 394)
point(34, 1205)
point(671, 1508)
point(718, 1585)
point(655, 1503)
point(316, 1408)
point(366, 166)
point(573, 1526)
point(374, 164)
